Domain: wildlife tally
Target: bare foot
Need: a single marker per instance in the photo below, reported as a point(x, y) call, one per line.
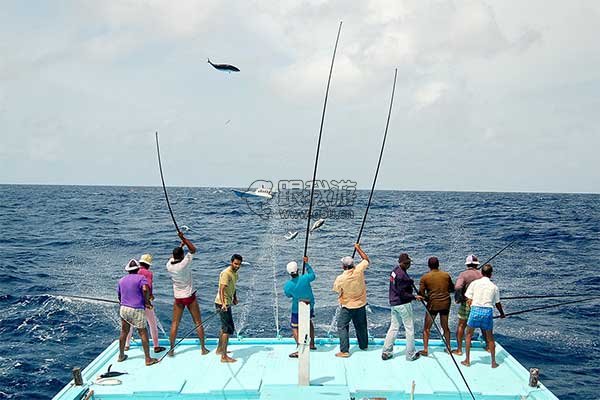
point(122, 358)
point(342, 354)
point(488, 350)
point(205, 351)
point(126, 348)
point(458, 352)
point(466, 363)
point(494, 364)
point(227, 359)
point(171, 353)
point(151, 361)
point(424, 353)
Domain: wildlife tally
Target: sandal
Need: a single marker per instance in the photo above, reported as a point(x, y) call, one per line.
point(294, 355)
point(159, 349)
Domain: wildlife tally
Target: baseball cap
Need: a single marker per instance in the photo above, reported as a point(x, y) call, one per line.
point(292, 267)
point(472, 259)
point(347, 261)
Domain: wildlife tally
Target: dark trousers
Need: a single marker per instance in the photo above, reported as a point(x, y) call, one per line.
point(358, 316)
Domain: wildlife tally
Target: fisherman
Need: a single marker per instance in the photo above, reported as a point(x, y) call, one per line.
point(179, 268)
point(482, 295)
point(145, 262)
point(436, 287)
point(462, 284)
point(352, 296)
point(134, 297)
point(299, 289)
point(226, 297)
point(400, 296)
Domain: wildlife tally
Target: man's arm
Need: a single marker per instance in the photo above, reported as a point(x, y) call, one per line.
point(146, 292)
point(422, 287)
point(499, 307)
point(187, 242)
point(361, 253)
point(235, 299)
point(222, 297)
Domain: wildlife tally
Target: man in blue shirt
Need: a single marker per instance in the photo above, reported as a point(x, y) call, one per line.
point(401, 296)
point(298, 288)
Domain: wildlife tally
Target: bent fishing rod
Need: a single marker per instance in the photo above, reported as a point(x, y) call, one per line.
point(201, 324)
point(448, 348)
point(163, 185)
point(312, 189)
point(387, 124)
point(546, 307)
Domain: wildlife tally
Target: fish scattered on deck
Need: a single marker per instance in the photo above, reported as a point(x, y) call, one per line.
point(111, 374)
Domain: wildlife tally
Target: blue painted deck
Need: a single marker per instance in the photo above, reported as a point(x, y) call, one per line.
point(264, 371)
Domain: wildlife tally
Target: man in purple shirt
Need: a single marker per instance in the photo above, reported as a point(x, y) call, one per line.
point(401, 295)
point(462, 283)
point(134, 298)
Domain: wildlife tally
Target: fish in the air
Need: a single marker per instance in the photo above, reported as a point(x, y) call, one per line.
point(224, 67)
point(290, 235)
point(111, 374)
point(318, 223)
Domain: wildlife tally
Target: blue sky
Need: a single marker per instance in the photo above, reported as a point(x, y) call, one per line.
point(498, 96)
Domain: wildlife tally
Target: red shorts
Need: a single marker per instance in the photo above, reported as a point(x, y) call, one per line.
point(186, 301)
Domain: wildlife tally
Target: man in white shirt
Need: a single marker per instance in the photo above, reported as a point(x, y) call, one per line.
point(179, 267)
point(481, 296)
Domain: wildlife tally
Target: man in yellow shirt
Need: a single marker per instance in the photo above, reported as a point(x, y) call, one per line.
point(352, 295)
point(227, 296)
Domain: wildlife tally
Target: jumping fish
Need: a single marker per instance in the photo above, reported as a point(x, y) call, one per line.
point(224, 67)
point(290, 235)
point(111, 374)
point(318, 223)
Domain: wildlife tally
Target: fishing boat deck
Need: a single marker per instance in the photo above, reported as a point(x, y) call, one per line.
point(264, 371)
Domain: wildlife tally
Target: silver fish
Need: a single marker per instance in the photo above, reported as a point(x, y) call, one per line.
point(290, 235)
point(318, 223)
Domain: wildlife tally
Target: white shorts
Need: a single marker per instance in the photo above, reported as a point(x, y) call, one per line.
point(135, 317)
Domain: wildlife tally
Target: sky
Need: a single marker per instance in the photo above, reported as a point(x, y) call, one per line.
point(491, 95)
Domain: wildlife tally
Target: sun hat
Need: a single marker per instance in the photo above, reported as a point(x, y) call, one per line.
point(292, 267)
point(132, 265)
point(146, 259)
point(472, 260)
point(347, 261)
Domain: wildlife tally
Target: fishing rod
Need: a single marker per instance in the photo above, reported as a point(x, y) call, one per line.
point(188, 334)
point(551, 296)
point(163, 185)
point(546, 307)
point(89, 298)
point(504, 248)
point(448, 348)
point(387, 124)
point(312, 188)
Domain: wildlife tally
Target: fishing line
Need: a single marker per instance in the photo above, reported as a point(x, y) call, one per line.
point(504, 248)
point(546, 307)
point(163, 185)
point(312, 188)
point(188, 334)
point(387, 124)
point(448, 348)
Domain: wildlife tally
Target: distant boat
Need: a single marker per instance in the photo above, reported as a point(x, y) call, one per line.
point(260, 192)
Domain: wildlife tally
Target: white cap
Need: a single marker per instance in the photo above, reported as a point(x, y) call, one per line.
point(472, 259)
point(292, 267)
point(132, 265)
point(347, 261)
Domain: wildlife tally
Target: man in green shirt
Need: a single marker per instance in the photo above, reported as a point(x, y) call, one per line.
point(226, 297)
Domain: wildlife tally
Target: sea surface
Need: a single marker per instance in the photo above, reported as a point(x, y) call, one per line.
point(75, 240)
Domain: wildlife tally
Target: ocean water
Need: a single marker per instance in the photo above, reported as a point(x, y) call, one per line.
point(75, 240)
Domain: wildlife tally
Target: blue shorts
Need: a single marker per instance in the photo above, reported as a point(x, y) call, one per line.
point(481, 317)
point(294, 319)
